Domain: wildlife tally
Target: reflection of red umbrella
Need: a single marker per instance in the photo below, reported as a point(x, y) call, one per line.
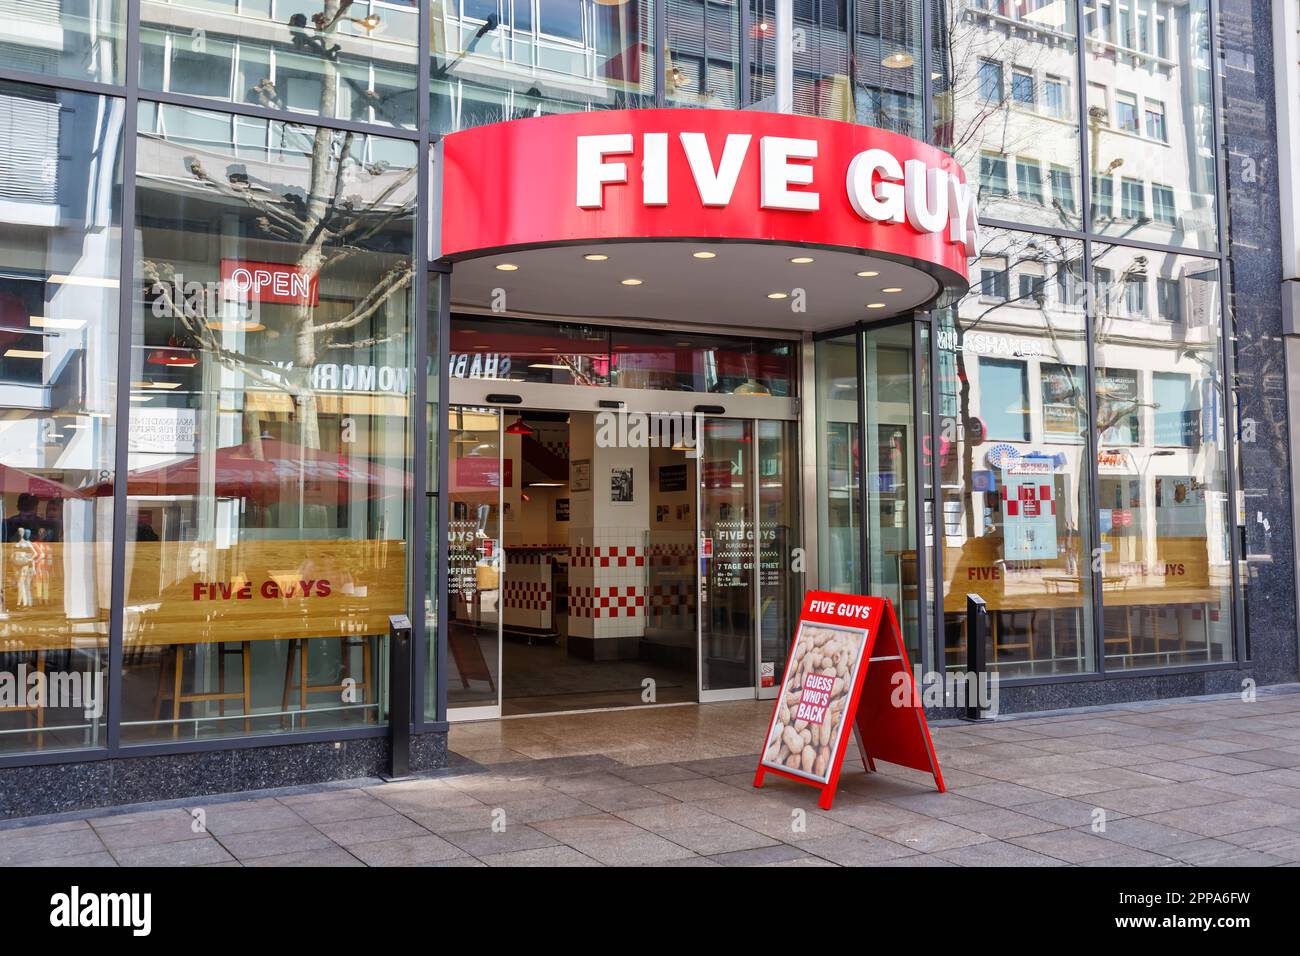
point(15, 481)
point(269, 472)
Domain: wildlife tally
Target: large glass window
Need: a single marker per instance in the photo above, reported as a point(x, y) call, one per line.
point(1175, 143)
point(702, 54)
point(81, 41)
point(1003, 88)
point(1013, 406)
point(1163, 512)
point(60, 258)
point(496, 60)
point(341, 60)
point(269, 483)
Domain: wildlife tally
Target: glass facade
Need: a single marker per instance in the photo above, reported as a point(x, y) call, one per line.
point(218, 323)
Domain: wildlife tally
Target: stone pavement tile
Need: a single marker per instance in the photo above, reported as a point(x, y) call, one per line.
point(1003, 794)
point(492, 755)
point(685, 861)
point(788, 827)
point(1000, 823)
point(1079, 783)
point(542, 856)
point(223, 819)
point(1288, 798)
point(18, 847)
point(1281, 842)
point(1126, 856)
point(634, 850)
point(340, 805)
point(670, 816)
point(455, 861)
point(654, 773)
point(722, 766)
point(346, 833)
point(802, 861)
point(874, 814)
point(1274, 757)
point(579, 783)
point(1227, 763)
point(1220, 853)
point(484, 842)
point(1215, 745)
point(877, 786)
point(1142, 833)
point(941, 806)
point(921, 859)
point(322, 856)
point(251, 846)
point(1140, 801)
point(101, 858)
point(177, 853)
point(1244, 785)
point(1166, 752)
point(416, 799)
point(39, 829)
point(1066, 812)
point(592, 826)
point(171, 829)
point(720, 836)
point(703, 788)
point(1285, 777)
point(860, 849)
point(1072, 846)
point(1115, 758)
point(405, 851)
point(1230, 817)
point(760, 856)
point(510, 791)
point(629, 797)
point(996, 853)
point(137, 817)
point(1179, 772)
point(929, 836)
point(453, 819)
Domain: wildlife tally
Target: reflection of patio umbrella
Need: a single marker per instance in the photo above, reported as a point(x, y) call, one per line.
point(15, 481)
point(268, 477)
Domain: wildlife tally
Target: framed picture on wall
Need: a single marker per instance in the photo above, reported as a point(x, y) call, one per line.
point(620, 484)
point(580, 475)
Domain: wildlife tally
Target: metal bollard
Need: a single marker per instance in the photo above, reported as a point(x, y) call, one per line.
point(399, 696)
point(977, 632)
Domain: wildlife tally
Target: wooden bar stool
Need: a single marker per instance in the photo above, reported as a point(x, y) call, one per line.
point(38, 660)
point(179, 698)
point(298, 651)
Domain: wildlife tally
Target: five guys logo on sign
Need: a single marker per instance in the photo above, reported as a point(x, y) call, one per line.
point(879, 187)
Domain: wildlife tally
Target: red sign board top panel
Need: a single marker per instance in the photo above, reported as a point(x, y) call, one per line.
point(625, 175)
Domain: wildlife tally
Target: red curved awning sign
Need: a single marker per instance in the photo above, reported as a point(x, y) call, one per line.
point(717, 175)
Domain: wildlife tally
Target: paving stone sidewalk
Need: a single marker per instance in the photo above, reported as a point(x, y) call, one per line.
point(1209, 781)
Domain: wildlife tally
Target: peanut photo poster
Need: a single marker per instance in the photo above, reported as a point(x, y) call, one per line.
point(815, 693)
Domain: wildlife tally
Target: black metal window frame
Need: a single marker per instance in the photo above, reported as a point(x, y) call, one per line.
point(131, 94)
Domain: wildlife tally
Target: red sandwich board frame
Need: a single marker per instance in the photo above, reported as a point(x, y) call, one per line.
point(885, 731)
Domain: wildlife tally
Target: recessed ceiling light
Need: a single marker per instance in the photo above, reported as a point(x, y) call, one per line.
point(95, 281)
point(802, 260)
point(892, 289)
point(631, 281)
point(595, 257)
point(703, 254)
point(778, 295)
point(898, 61)
point(876, 305)
point(507, 267)
point(868, 275)
point(548, 365)
point(25, 353)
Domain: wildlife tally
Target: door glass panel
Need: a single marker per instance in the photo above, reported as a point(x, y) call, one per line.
point(781, 572)
point(889, 434)
point(475, 479)
point(838, 520)
point(727, 529)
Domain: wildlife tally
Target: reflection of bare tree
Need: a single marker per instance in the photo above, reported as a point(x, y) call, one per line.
point(325, 224)
point(976, 123)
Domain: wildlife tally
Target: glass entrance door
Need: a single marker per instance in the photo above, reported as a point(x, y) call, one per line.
point(727, 531)
point(476, 479)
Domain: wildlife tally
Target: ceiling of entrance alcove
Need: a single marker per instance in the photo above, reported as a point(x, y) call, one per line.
point(740, 285)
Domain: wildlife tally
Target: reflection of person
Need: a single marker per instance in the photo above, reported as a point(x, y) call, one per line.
point(144, 528)
point(25, 518)
point(53, 530)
